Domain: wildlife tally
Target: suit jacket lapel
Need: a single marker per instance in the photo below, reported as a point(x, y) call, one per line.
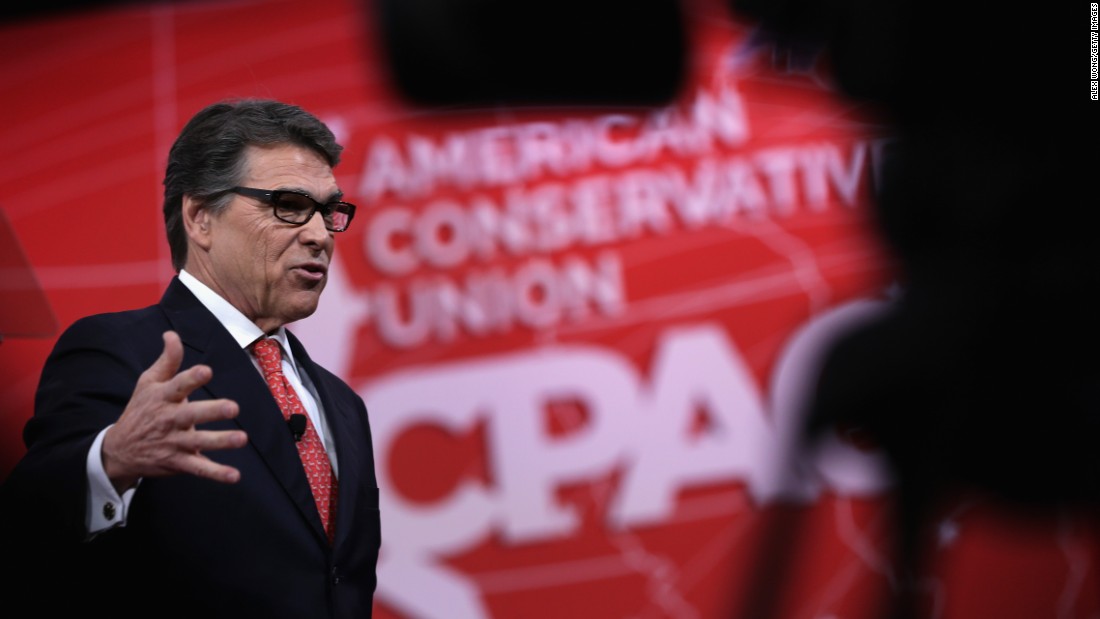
point(341, 426)
point(235, 378)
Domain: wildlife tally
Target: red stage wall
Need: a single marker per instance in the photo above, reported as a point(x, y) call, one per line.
point(583, 334)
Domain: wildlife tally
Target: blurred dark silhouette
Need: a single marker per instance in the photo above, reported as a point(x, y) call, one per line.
point(985, 375)
point(501, 52)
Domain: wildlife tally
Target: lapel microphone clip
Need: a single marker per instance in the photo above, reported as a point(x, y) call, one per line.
point(297, 424)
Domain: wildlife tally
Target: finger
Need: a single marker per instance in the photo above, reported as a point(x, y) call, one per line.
point(191, 414)
point(201, 466)
point(211, 440)
point(168, 363)
point(181, 385)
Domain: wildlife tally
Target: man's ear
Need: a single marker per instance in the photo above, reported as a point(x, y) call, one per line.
point(196, 221)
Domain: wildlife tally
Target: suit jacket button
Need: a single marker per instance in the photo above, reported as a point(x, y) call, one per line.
point(335, 577)
point(109, 511)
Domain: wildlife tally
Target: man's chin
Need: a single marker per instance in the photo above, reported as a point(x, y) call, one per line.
point(305, 303)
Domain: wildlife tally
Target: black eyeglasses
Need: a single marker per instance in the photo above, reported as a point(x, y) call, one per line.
point(295, 207)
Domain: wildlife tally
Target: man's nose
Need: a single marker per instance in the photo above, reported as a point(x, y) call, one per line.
point(314, 230)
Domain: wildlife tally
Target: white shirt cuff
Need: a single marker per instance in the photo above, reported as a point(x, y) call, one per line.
point(106, 509)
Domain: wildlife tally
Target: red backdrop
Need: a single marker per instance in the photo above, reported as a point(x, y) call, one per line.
point(583, 333)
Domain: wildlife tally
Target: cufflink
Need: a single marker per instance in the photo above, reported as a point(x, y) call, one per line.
point(109, 511)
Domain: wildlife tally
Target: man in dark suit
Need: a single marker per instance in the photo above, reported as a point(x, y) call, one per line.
point(188, 458)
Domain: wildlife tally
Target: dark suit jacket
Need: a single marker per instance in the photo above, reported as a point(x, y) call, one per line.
point(191, 547)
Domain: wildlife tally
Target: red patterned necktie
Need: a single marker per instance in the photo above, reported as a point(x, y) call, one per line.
point(318, 468)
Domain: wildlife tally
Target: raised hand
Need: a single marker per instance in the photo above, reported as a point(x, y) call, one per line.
point(156, 435)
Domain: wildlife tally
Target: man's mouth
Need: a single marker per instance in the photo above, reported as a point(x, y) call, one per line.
point(313, 271)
